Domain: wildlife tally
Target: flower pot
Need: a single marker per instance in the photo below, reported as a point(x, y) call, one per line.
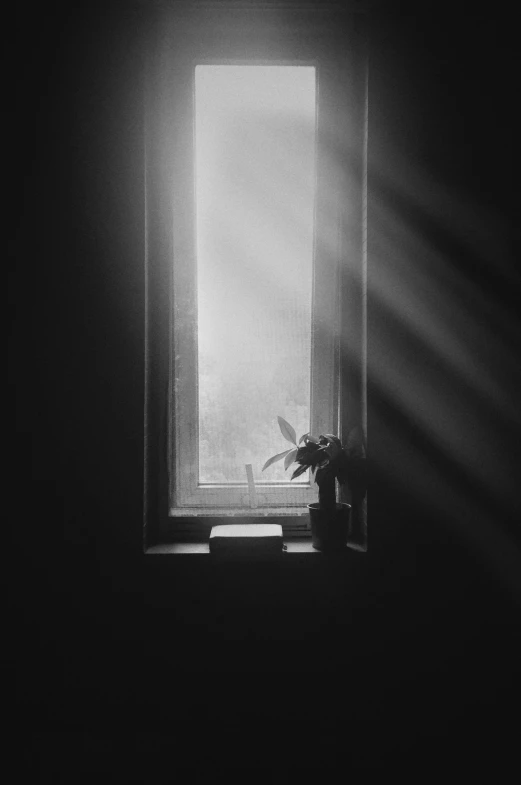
point(329, 528)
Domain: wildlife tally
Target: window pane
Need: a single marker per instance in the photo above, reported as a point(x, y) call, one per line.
point(255, 187)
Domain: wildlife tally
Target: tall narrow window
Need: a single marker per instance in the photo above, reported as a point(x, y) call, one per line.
point(255, 198)
point(254, 254)
point(254, 274)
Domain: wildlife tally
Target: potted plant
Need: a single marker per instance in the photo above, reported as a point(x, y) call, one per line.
point(330, 462)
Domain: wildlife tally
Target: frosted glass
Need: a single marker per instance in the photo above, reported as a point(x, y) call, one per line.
point(255, 187)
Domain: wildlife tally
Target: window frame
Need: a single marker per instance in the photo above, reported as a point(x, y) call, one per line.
point(185, 490)
point(337, 363)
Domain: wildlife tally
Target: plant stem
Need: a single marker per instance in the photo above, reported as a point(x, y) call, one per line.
point(327, 492)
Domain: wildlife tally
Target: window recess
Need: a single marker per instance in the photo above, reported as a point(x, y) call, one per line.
point(255, 164)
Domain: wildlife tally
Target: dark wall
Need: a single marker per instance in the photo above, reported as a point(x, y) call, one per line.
point(411, 642)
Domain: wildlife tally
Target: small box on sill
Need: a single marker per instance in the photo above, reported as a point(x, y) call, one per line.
point(249, 540)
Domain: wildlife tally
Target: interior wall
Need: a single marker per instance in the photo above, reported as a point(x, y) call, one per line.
point(433, 609)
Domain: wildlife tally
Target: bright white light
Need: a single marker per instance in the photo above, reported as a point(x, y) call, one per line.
point(255, 186)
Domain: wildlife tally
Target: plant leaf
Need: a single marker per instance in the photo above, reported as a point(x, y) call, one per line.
point(307, 437)
point(275, 458)
point(334, 439)
point(287, 430)
point(290, 457)
point(298, 471)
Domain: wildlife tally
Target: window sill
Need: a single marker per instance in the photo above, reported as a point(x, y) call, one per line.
point(296, 547)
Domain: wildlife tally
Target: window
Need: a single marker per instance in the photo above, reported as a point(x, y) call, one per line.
point(254, 178)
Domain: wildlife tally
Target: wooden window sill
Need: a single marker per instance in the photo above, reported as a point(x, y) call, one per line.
point(296, 547)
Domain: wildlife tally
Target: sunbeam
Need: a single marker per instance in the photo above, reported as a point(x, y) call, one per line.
point(442, 354)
